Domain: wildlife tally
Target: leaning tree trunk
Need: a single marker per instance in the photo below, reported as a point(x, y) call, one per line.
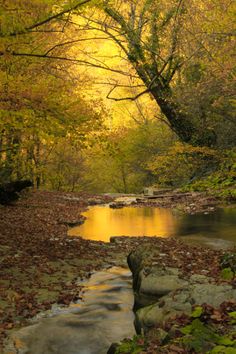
point(146, 53)
point(178, 122)
point(181, 123)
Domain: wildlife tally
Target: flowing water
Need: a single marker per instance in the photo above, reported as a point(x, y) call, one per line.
point(89, 327)
point(103, 222)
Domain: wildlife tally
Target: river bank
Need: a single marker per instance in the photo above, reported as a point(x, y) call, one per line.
point(40, 264)
point(189, 202)
point(184, 300)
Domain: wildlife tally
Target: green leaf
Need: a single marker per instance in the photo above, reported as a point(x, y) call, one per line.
point(225, 341)
point(197, 312)
point(232, 314)
point(187, 329)
point(227, 274)
point(220, 349)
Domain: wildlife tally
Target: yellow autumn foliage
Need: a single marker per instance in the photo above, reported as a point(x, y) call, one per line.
point(181, 163)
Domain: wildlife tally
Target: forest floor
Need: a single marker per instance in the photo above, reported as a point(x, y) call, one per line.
point(40, 264)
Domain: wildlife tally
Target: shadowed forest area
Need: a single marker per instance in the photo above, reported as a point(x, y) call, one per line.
point(99, 97)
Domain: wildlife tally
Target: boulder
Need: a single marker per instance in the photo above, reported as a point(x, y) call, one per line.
point(181, 301)
point(160, 293)
point(156, 314)
point(137, 260)
point(151, 282)
point(151, 191)
point(156, 282)
point(95, 201)
point(116, 205)
point(212, 294)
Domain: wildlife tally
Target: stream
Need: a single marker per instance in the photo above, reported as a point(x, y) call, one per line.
point(88, 327)
point(216, 229)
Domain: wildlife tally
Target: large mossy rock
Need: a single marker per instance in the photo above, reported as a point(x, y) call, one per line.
point(154, 283)
point(151, 282)
point(181, 302)
point(161, 293)
point(156, 314)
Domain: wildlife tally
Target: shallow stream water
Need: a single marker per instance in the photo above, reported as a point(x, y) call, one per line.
point(89, 327)
point(103, 222)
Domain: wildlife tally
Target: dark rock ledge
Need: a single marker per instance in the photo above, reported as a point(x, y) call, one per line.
point(162, 293)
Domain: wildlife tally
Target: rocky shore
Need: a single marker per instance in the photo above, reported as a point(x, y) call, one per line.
point(184, 302)
point(191, 202)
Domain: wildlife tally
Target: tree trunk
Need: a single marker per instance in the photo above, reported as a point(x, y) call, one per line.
point(180, 123)
point(177, 120)
point(156, 62)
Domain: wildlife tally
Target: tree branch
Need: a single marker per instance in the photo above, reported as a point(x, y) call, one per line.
point(71, 42)
point(128, 98)
point(46, 20)
point(131, 98)
point(72, 60)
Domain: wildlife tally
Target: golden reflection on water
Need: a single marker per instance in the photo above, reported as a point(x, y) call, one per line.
point(103, 222)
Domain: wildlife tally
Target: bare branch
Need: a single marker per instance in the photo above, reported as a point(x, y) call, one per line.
point(72, 60)
point(112, 36)
point(118, 85)
point(131, 98)
point(71, 42)
point(203, 46)
point(128, 98)
point(46, 20)
point(66, 22)
point(139, 107)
